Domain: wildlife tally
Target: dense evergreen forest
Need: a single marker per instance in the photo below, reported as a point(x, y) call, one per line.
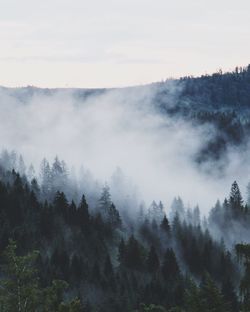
point(71, 244)
point(221, 99)
point(59, 254)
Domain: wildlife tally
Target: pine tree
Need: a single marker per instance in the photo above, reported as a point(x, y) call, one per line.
point(196, 216)
point(59, 176)
point(165, 227)
point(189, 216)
point(170, 268)
point(121, 252)
point(8, 160)
point(35, 187)
point(108, 267)
point(72, 214)
point(82, 214)
point(61, 204)
point(133, 254)
point(141, 214)
point(76, 268)
point(45, 176)
point(96, 273)
point(243, 254)
point(235, 200)
point(152, 261)
point(230, 295)
point(216, 215)
point(31, 173)
point(193, 299)
point(105, 201)
point(176, 226)
point(177, 207)
point(114, 217)
point(155, 212)
point(21, 166)
point(212, 296)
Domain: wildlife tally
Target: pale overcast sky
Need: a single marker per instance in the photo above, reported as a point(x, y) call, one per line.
point(108, 43)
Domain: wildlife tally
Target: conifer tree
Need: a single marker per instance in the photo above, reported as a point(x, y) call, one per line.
point(170, 268)
point(121, 252)
point(114, 217)
point(212, 296)
point(196, 216)
point(235, 200)
point(108, 267)
point(243, 255)
point(105, 201)
point(152, 261)
point(133, 254)
point(82, 214)
point(165, 225)
point(45, 177)
point(177, 207)
point(229, 295)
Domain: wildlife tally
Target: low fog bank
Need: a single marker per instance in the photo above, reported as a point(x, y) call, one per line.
point(121, 128)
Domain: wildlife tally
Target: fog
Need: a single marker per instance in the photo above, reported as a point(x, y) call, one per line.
point(120, 128)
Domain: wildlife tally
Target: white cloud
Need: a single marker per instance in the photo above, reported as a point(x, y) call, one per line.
point(120, 128)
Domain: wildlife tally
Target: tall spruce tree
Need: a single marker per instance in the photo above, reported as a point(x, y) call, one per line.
point(235, 200)
point(152, 262)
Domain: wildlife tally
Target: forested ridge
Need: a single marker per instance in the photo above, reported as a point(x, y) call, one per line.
point(221, 100)
point(71, 243)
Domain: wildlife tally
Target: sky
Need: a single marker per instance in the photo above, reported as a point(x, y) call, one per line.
point(116, 43)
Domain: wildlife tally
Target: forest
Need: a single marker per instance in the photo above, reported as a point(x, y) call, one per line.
point(76, 244)
point(60, 254)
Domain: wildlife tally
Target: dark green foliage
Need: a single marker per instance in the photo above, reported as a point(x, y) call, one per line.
point(108, 267)
point(150, 308)
point(230, 295)
point(114, 263)
point(165, 225)
point(205, 298)
point(221, 100)
point(243, 254)
point(114, 217)
point(111, 268)
point(133, 257)
point(152, 261)
point(170, 268)
point(20, 289)
point(82, 218)
point(232, 218)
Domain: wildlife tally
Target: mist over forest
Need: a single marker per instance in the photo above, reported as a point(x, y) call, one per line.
point(130, 199)
point(168, 138)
